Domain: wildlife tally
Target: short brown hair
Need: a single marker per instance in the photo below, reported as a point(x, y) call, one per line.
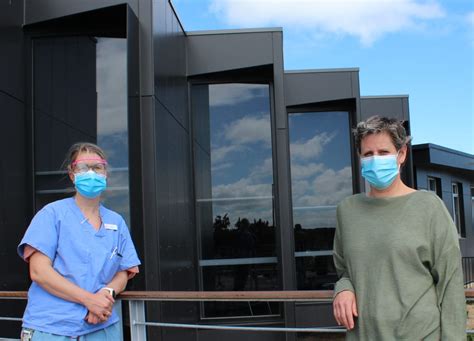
point(377, 124)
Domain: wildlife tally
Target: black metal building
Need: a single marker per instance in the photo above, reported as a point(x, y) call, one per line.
point(226, 167)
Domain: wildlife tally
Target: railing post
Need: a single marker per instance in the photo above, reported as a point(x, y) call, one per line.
point(118, 309)
point(137, 320)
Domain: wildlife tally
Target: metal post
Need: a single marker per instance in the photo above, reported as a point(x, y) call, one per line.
point(118, 310)
point(137, 320)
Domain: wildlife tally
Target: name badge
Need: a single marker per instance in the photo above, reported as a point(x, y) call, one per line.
point(112, 227)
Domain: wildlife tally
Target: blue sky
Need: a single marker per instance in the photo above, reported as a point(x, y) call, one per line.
point(421, 48)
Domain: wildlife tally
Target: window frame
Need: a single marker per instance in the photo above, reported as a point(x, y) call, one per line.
point(437, 181)
point(458, 208)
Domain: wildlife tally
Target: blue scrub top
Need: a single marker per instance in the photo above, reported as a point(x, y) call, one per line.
point(84, 256)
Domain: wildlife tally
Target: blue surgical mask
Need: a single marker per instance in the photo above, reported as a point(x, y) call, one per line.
point(380, 170)
point(90, 184)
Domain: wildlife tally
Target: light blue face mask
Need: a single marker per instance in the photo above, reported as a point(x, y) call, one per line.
point(90, 184)
point(380, 170)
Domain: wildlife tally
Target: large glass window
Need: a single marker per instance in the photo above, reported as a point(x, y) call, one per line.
point(234, 194)
point(321, 174)
point(80, 95)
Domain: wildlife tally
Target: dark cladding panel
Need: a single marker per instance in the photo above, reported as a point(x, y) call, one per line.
point(391, 106)
point(175, 230)
point(169, 61)
point(64, 95)
point(11, 47)
point(312, 87)
point(306, 313)
point(14, 190)
point(14, 215)
point(146, 26)
point(227, 51)
point(159, 45)
point(41, 10)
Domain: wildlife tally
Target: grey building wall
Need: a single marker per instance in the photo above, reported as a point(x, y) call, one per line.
point(449, 166)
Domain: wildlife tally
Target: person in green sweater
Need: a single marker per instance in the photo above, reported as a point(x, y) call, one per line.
point(396, 250)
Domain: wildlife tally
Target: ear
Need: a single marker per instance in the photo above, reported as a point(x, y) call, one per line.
point(71, 176)
point(402, 155)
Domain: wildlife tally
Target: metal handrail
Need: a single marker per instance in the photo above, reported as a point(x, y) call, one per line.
point(137, 301)
point(280, 296)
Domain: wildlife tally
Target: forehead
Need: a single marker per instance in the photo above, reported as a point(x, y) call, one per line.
point(87, 155)
point(377, 141)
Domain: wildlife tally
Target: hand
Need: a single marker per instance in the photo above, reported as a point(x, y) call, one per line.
point(94, 319)
point(100, 304)
point(345, 308)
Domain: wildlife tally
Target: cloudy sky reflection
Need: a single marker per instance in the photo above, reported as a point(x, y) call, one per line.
point(241, 159)
point(320, 166)
point(112, 128)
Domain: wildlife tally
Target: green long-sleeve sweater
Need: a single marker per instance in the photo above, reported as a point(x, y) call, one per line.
point(401, 258)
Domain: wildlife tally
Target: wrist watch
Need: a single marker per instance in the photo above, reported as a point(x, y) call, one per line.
point(111, 291)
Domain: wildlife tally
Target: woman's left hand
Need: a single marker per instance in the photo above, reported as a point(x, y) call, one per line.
point(94, 319)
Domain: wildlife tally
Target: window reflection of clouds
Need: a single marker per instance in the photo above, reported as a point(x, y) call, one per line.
point(241, 150)
point(234, 181)
point(111, 85)
point(112, 115)
point(320, 166)
point(241, 171)
point(234, 94)
point(321, 177)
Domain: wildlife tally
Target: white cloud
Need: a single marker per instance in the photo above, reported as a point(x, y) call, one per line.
point(368, 20)
point(329, 188)
point(301, 171)
point(111, 86)
point(263, 170)
point(248, 130)
point(221, 166)
point(298, 189)
point(334, 185)
point(310, 148)
point(219, 154)
point(241, 188)
point(231, 94)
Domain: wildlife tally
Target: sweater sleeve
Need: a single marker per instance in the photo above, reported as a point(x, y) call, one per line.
point(344, 282)
point(447, 275)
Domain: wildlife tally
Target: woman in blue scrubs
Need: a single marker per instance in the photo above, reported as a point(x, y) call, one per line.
point(80, 256)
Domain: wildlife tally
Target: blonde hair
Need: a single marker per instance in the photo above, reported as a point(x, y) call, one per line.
point(81, 147)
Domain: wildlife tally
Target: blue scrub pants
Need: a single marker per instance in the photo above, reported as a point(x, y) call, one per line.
point(111, 333)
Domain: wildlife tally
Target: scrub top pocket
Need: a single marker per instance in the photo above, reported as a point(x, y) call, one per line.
point(110, 267)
